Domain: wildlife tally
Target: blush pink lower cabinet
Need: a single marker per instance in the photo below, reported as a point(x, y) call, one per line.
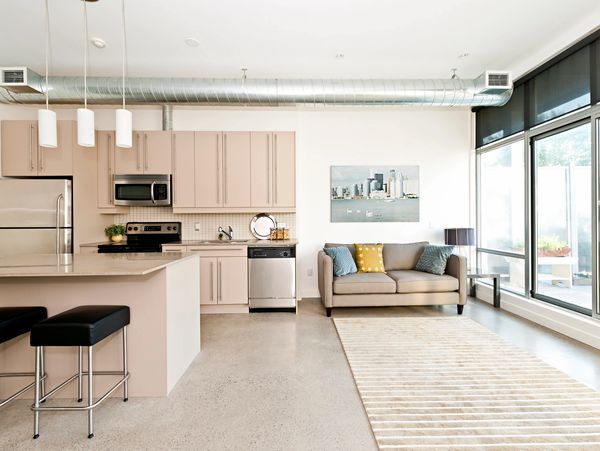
point(223, 274)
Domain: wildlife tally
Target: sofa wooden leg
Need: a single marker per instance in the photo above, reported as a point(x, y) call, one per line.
point(460, 308)
point(328, 309)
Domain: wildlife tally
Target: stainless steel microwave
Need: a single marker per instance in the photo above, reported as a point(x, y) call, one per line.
point(143, 190)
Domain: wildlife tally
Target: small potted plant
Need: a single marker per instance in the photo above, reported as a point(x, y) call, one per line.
point(115, 232)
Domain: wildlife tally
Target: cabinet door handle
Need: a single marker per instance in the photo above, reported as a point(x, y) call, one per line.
point(31, 165)
point(212, 288)
point(275, 168)
point(173, 163)
point(219, 289)
point(145, 150)
point(110, 180)
point(137, 156)
point(40, 158)
point(225, 169)
point(218, 172)
point(268, 169)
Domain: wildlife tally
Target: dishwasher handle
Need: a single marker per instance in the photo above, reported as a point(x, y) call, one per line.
point(272, 252)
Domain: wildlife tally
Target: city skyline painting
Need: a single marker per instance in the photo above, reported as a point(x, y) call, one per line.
point(374, 193)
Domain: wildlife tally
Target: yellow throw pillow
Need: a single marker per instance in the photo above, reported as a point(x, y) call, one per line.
point(369, 257)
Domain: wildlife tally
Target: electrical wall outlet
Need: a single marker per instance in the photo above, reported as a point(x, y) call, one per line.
point(309, 272)
point(197, 227)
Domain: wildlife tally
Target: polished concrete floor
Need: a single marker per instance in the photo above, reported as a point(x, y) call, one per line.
point(270, 381)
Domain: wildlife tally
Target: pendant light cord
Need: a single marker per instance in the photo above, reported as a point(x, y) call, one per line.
point(85, 53)
point(47, 49)
point(124, 47)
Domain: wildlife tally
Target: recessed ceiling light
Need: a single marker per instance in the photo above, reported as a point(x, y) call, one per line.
point(98, 43)
point(463, 55)
point(192, 42)
point(340, 56)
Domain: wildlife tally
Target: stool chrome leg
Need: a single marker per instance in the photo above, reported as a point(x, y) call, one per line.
point(43, 371)
point(125, 368)
point(36, 414)
point(80, 375)
point(90, 394)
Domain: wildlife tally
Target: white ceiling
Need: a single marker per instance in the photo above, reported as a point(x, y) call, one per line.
point(285, 39)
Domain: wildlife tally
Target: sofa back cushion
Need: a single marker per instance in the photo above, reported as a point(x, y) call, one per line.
point(349, 246)
point(343, 263)
point(402, 256)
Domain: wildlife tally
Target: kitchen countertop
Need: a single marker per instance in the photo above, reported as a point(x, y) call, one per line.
point(249, 243)
point(45, 265)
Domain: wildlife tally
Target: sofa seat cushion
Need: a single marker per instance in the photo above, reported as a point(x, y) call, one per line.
point(364, 283)
point(410, 281)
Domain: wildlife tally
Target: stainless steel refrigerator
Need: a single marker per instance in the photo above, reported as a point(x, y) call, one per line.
point(36, 216)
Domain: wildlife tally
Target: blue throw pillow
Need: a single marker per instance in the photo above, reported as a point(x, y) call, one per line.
point(343, 263)
point(433, 259)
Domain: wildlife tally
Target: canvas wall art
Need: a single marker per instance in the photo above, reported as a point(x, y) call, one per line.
point(374, 193)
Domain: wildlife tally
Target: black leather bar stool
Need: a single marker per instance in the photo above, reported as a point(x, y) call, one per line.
point(15, 321)
point(80, 326)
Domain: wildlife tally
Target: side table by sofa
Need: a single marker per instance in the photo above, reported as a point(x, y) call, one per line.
point(482, 275)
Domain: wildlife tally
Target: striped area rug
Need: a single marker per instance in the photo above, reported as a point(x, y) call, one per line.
point(450, 383)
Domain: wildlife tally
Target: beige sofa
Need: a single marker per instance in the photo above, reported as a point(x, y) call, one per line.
point(400, 285)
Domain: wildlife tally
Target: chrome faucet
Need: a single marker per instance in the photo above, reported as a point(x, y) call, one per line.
point(222, 232)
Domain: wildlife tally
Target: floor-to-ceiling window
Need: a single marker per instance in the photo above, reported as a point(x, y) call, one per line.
point(562, 208)
point(502, 213)
point(537, 188)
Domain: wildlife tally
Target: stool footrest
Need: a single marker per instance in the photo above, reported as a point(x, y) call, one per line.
point(23, 390)
point(79, 408)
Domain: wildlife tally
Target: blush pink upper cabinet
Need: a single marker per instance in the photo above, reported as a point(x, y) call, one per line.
point(150, 154)
point(261, 169)
point(130, 160)
point(157, 152)
point(183, 163)
point(236, 169)
point(273, 169)
point(105, 144)
point(208, 164)
point(22, 156)
point(19, 148)
point(284, 169)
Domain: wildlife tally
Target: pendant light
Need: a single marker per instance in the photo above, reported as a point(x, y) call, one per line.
point(124, 132)
point(46, 117)
point(86, 134)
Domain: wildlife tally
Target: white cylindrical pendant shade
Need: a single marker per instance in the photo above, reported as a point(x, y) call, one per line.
point(47, 128)
point(86, 133)
point(124, 133)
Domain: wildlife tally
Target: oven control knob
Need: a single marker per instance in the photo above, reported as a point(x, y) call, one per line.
point(129, 228)
point(285, 254)
point(169, 228)
point(135, 228)
point(174, 227)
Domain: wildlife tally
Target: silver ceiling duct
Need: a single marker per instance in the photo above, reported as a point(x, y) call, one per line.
point(490, 89)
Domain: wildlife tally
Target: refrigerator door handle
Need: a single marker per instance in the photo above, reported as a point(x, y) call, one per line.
point(58, 200)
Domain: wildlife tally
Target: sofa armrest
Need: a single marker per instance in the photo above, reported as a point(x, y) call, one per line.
point(457, 267)
point(325, 269)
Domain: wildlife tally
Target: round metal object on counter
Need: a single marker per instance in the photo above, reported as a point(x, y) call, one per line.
point(261, 225)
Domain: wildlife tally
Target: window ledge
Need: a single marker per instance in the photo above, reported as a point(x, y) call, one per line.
point(577, 326)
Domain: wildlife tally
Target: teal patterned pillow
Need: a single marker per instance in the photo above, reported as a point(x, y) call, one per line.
point(343, 263)
point(433, 259)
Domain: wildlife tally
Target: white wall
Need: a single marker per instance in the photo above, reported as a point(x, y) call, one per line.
point(438, 140)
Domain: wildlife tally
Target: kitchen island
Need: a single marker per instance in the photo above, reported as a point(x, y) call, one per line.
point(161, 289)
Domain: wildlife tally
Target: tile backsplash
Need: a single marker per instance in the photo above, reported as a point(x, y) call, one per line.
point(208, 222)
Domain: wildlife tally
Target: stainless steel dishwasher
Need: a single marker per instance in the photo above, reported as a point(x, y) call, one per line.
point(272, 277)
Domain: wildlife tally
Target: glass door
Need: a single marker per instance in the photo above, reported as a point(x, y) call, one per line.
point(562, 217)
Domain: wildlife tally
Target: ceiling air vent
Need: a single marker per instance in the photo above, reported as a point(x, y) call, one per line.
point(20, 79)
point(494, 81)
